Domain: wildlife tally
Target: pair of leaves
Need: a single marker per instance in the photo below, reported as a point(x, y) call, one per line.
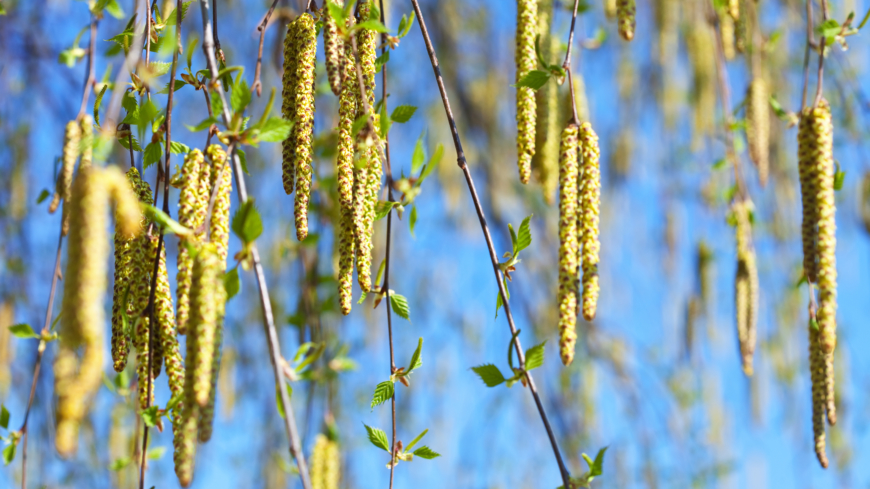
point(492, 376)
point(386, 389)
point(519, 241)
point(378, 438)
point(596, 468)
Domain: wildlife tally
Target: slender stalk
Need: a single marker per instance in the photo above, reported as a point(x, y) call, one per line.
point(566, 65)
point(463, 165)
point(807, 54)
point(265, 301)
point(90, 75)
point(822, 44)
point(262, 28)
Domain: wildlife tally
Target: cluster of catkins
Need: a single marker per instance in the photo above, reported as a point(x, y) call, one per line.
point(325, 463)
point(579, 198)
point(358, 164)
point(816, 170)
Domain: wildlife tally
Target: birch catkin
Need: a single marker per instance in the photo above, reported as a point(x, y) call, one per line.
point(306, 49)
point(121, 288)
point(527, 13)
point(590, 196)
point(346, 114)
point(545, 162)
point(568, 242)
point(345, 261)
point(625, 17)
point(325, 464)
point(288, 106)
point(166, 336)
point(758, 126)
point(192, 209)
point(808, 152)
point(746, 286)
point(823, 161)
point(219, 225)
point(334, 49)
point(819, 394)
point(71, 139)
point(87, 142)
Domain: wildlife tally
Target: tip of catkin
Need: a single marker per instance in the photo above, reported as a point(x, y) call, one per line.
point(127, 211)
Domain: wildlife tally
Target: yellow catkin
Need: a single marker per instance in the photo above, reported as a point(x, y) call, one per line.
point(625, 17)
point(808, 152)
point(166, 326)
point(865, 201)
point(819, 393)
point(526, 60)
point(345, 261)
point(219, 225)
point(325, 464)
point(545, 162)
point(746, 286)
point(726, 33)
point(71, 139)
point(758, 126)
point(610, 9)
point(826, 244)
point(306, 49)
point(590, 196)
point(734, 9)
point(334, 49)
point(701, 46)
point(347, 108)
point(87, 144)
point(7, 350)
point(568, 242)
point(288, 106)
point(193, 203)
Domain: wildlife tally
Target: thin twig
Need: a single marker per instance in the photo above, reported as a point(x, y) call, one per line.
point(262, 28)
point(265, 301)
point(822, 44)
point(566, 65)
point(123, 75)
point(90, 75)
point(807, 54)
point(460, 157)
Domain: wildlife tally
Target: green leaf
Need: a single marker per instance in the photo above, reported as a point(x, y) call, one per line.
point(416, 358)
point(275, 129)
point(178, 148)
point(383, 392)
point(412, 219)
point(378, 438)
point(247, 224)
point(171, 17)
point(385, 122)
point(70, 56)
point(120, 463)
point(278, 402)
point(489, 374)
point(147, 113)
point(156, 452)
point(4, 417)
point(405, 25)
point(312, 356)
point(534, 79)
point(498, 301)
point(43, 195)
point(383, 208)
point(418, 156)
point(373, 25)
point(415, 440)
point(839, 177)
point(98, 102)
point(232, 284)
point(381, 60)
point(433, 162)
point(174, 401)
point(23, 330)
point(596, 468)
point(359, 123)
point(535, 356)
point(336, 12)
point(243, 160)
point(403, 113)
point(9, 454)
point(175, 88)
point(217, 107)
point(164, 221)
point(240, 97)
point(426, 453)
point(202, 125)
point(524, 236)
point(400, 305)
point(150, 416)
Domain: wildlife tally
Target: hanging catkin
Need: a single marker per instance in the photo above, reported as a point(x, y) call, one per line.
point(288, 105)
point(527, 24)
point(700, 45)
point(87, 143)
point(590, 196)
point(306, 49)
point(120, 292)
point(346, 113)
point(823, 161)
point(325, 464)
point(222, 179)
point(334, 48)
point(345, 261)
point(166, 327)
point(85, 285)
point(758, 126)
point(745, 285)
point(545, 162)
point(819, 394)
point(71, 140)
point(192, 209)
point(568, 242)
point(726, 34)
point(625, 17)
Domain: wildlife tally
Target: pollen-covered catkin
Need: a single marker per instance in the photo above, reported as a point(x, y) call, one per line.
point(823, 161)
point(219, 225)
point(288, 106)
point(819, 394)
point(168, 340)
point(345, 261)
point(71, 140)
point(568, 242)
point(830, 388)
point(545, 162)
point(306, 49)
point(87, 142)
point(808, 151)
point(527, 23)
point(347, 108)
point(206, 417)
point(758, 126)
point(734, 9)
point(746, 286)
point(363, 244)
point(121, 294)
point(192, 210)
point(625, 17)
point(334, 49)
point(325, 464)
point(588, 217)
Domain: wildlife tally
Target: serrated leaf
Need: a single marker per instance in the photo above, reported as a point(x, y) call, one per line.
point(524, 236)
point(534, 79)
point(153, 153)
point(415, 440)
point(232, 284)
point(175, 88)
point(426, 453)
point(416, 358)
point(382, 208)
point(4, 417)
point(400, 306)
point(164, 221)
point(247, 224)
point(147, 113)
point(403, 113)
point(336, 12)
point(23, 330)
point(243, 160)
point(412, 219)
point(381, 60)
point(178, 148)
point(596, 467)
point(383, 392)
point(535, 356)
point(172, 16)
point(217, 107)
point(489, 374)
point(240, 96)
point(378, 438)
point(275, 129)
point(150, 416)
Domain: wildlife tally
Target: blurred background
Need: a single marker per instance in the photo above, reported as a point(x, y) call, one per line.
point(656, 376)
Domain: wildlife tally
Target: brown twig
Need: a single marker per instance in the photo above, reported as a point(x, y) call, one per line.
point(265, 301)
point(90, 75)
point(262, 28)
point(810, 43)
point(822, 45)
point(566, 65)
point(463, 165)
point(130, 62)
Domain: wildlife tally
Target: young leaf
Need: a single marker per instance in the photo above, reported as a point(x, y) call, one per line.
point(405, 25)
point(416, 358)
point(489, 374)
point(383, 208)
point(153, 152)
point(179, 148)
point(433, 162)
point(372, 25)
point(336, 12)
point(43, 195)
point(418, 156)
point(400, 305)
point(524, 236)
point(839, 177)
point(232, 284)
point(202, 125)
point(23, 330)
point(426, 453)
point(9, 454)
point(415, 440)
point(280, 404)
point(534, 79)
point(378, 438)
point(381, 60)
point(275, 129)
point(240, 97)
point(120, 464)
point(98, 102)
point(383, 392)
point(4, 417)
point(150, 416)
point(596, 468)
point(412, 219)
point(247, 224)
point(535, 356)
point(403, 113)
point(156, 452)
point(243, 160)
point(164, 221)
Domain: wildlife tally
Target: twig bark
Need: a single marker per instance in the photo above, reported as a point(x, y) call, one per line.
point(566, 65)
point(262, 28)
point(822, 44)
point(90, 75)
point(463, 165)
point(265, 301)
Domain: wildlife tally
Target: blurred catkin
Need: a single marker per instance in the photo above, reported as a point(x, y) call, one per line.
point(588, 217)
point(734, 9)
point(700, 45)
point(166, 328)
point(545, 162)
point(625, 16)
point(758, 126)
point(192, 210)
point(71, 139)
point(325, 464)
point(87, 142)
point(865, 201)
point(746, 285)
point(219, 225)
point(568, 241)
point(288, 105)
point(334, 49)
point(819, 394)
point(306, 49)
point(527, 25)
point(726, 34)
